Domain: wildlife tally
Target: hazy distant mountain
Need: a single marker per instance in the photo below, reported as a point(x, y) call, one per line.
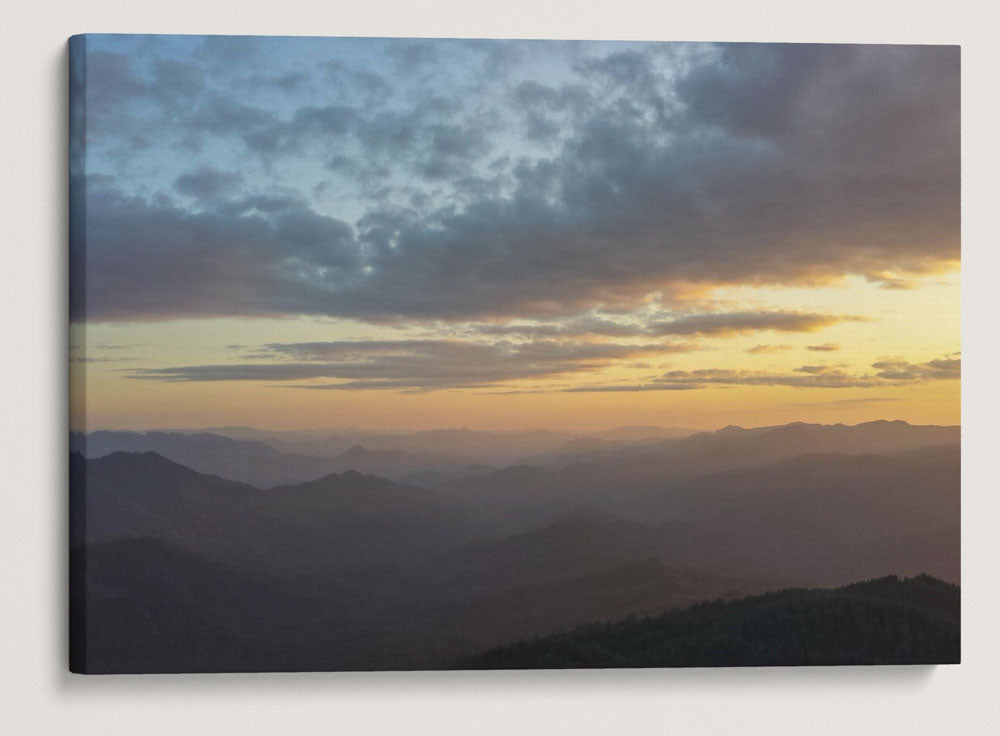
point(735, 447)
point(336, 524)
point(464, 445)
point(394, 464)
point(826, 519)
point(835, 518)
point(432, 478)
point(356, 571)
point(440, 456)
point(822, 518)
point(249, 462)
point(618, 484)
point(578, 545)
point(467, 445)
point(581, 569)
point(640, 433)
point(319, 443)
point(740, 446)
point(886, 621)
point(593, 450)
point(132, 495)
point(260, 464)
point(732, 447)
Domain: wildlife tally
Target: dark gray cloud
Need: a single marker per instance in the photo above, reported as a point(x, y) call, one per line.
point(580, 326)
point(121, 98)
point(843, 402)
point(762, 349)
point(431, 364)
point(763, 164)
point(705, 377)
point(153, 259)
point(224, 116)
point(289, 82)
point(827, 347)
point(809, 376)
point(813, 369)
point(934, 370)
point(359, 83)
point(410, 364)
point(93, 359)
point(729, 323)
point(640, 325)
point(292, 136)
point(205, 183)
point(231, 51)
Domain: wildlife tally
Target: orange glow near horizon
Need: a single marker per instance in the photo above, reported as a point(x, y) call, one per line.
point(915, 325)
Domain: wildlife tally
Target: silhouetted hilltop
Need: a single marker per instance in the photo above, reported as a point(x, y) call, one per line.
point(884, 621)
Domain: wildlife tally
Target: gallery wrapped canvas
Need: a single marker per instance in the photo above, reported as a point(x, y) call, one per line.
point(395, 354)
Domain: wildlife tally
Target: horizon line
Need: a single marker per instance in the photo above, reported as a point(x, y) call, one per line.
point(521, 430)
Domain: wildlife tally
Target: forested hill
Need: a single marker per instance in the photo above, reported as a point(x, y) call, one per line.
point(883, 621)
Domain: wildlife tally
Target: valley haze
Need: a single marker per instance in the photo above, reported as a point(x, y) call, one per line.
point(251, 557)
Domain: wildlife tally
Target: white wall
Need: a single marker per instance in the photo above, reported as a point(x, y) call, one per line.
point(36, 694)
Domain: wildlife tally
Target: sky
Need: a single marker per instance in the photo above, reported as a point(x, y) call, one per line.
point(405, 233)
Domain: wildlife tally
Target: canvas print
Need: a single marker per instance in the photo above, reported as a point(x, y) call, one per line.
point(412, 354)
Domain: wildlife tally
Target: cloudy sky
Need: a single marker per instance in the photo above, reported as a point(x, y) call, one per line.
point(307, 232)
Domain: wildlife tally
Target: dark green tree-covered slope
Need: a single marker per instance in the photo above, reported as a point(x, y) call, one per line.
point(884, 621)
